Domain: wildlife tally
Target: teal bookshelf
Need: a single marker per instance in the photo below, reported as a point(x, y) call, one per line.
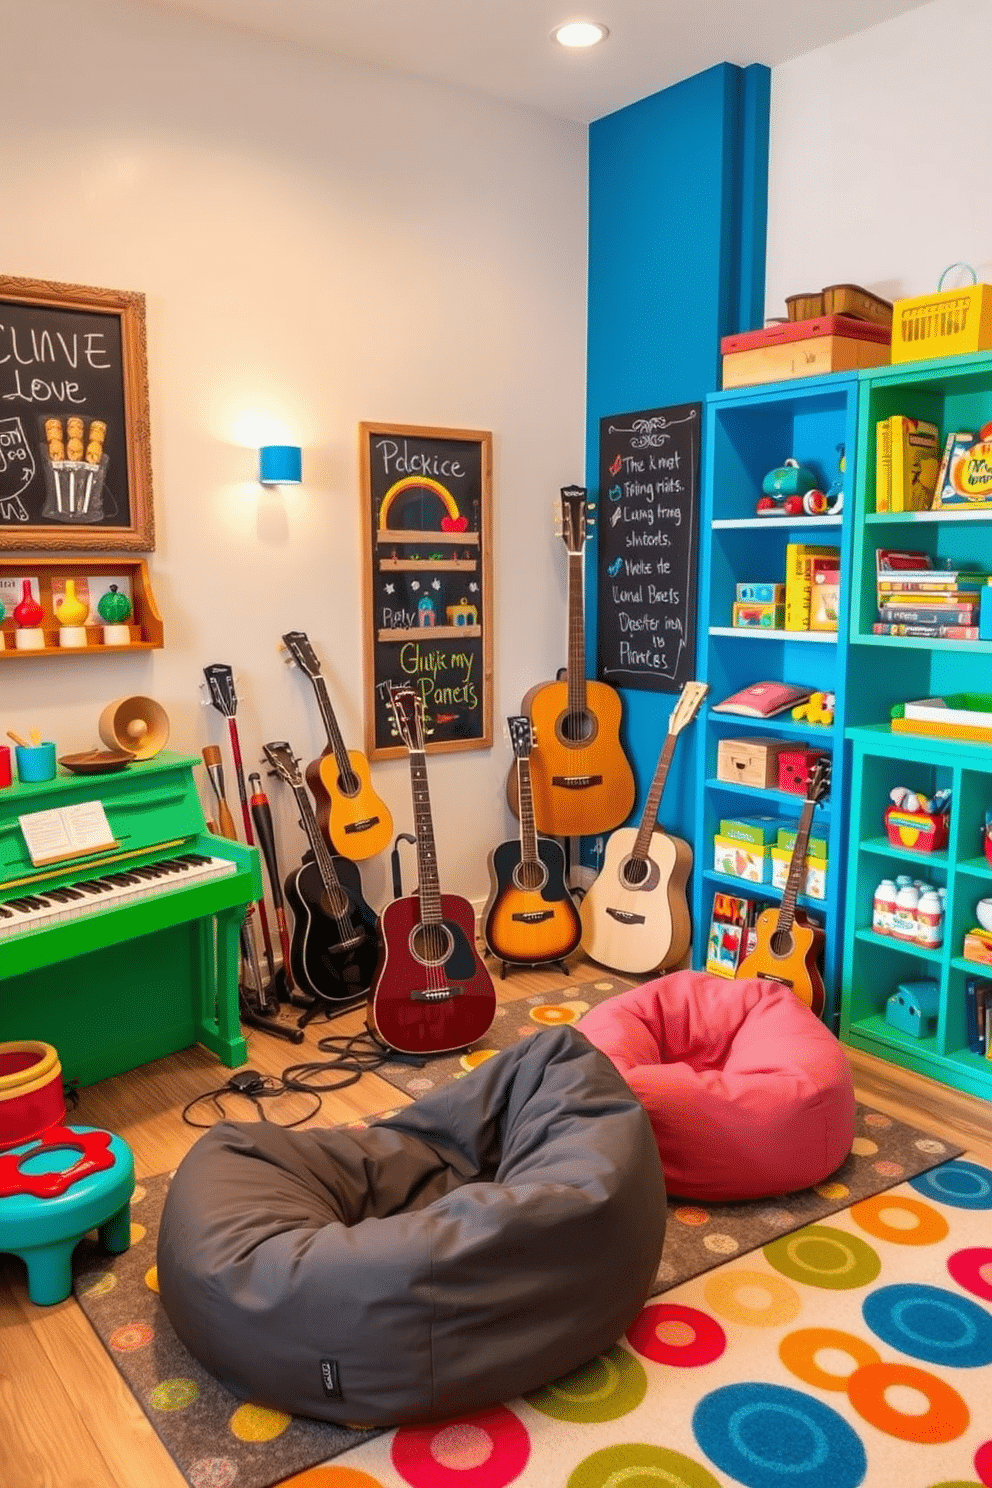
point(954, 393)
point(748, 432)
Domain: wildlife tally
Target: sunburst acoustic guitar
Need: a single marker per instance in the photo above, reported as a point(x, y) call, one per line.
point(582, 779)
point(530, 918)
point(432, 992)
point(635, 916)
point(354, 819)
point(787, 946)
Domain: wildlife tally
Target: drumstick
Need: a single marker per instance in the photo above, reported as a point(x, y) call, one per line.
point(215, 769)
point(17, 739)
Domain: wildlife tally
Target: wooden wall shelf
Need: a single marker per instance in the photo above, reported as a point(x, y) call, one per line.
point(49, 574)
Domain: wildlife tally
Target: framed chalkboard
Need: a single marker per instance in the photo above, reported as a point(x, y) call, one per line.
point(648, 531)
point(75, 460)
point(427, 524)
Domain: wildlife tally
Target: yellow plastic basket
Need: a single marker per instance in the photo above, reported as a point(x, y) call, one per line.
point(948, 323)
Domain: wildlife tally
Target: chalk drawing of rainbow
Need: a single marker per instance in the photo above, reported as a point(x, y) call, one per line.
point(421, 482)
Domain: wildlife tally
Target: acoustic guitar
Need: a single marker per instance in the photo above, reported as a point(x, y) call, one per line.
point(431, 993)
point(635, 915)
point(530, 917)
point(582, 780)
point(788, 947)
point(334, 947)
point(354, 819)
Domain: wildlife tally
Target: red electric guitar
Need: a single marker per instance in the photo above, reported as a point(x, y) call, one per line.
point(431, 992)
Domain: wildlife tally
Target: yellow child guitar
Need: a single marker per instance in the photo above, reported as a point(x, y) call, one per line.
point(581, 778)
point(635, 916)
point(788, 947)
point(355, 821)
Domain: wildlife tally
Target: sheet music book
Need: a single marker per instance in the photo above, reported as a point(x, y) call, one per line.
point(66, 832)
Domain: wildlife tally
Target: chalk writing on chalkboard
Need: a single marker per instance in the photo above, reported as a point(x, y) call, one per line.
point(426, 521)
point(648, 545)
point(74, 464)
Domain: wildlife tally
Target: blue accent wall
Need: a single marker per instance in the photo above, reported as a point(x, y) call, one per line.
point(677, 209)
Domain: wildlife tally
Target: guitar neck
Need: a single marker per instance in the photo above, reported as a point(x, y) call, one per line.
point(334, 738)
point(525, 803)
point(797, 869)
point(650, 817)
point(576, 636)
point(315, 836)
point(428, 887)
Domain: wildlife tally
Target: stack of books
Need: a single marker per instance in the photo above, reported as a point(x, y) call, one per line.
point(917, 599)
point(907, 460)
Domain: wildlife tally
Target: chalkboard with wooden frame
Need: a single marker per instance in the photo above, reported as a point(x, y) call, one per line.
point(427, 558)
point(75, 458)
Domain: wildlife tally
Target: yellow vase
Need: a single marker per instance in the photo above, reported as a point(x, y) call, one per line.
point(71, 611)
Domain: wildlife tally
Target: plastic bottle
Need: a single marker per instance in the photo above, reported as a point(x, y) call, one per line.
point(930, 919)
point(904, 926)
point(883, 907)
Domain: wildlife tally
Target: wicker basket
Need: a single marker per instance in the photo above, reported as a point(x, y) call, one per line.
point(951, 322)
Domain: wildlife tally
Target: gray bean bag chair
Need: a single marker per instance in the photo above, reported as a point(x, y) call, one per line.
point(496, 1234)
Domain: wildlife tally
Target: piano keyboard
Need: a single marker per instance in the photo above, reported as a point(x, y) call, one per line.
point(86, 896)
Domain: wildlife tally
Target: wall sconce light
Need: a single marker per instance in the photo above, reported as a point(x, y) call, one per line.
point(280, 465)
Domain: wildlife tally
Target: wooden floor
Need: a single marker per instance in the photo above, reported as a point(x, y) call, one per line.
point(66, 1418)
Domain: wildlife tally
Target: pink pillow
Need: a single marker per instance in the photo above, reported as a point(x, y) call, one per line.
point(748, 1093)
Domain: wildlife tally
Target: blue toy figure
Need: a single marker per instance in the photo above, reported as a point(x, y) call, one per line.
point(784, 489)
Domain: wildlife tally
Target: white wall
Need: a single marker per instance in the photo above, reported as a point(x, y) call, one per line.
point(880, 149)
point(319, 243)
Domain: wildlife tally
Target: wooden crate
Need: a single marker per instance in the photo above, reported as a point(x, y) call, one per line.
point(749, 761)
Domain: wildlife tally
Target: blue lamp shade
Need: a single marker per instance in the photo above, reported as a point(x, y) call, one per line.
point(280, 465)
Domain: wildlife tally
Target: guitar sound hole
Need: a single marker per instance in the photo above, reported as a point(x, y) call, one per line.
point(576, 728)
point(635, 871)
point(530, 876)
point(335, 903)
point(782, 943)
point(349, 785)
point(431, 945)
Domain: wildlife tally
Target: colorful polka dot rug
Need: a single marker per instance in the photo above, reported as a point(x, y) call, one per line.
point(737, 1281)
point(857, 1351)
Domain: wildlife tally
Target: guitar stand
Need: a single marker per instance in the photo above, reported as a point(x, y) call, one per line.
point(258, 1020)
point(532, 966)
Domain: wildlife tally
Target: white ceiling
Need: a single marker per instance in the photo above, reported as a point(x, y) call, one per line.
point(501, 48)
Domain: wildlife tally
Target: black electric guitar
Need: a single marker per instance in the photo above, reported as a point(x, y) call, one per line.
point(353, 818)
point(531, 917)
point(432, 992)
point(788, 947)
point(334, 946)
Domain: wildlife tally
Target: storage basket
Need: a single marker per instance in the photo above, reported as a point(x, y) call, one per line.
point(951, 322)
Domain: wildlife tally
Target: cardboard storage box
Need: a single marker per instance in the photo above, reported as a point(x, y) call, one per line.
point(815, 886)
point(761, 831)
point(816, 847)
point(803, 348)
point(749, 761)
point(742, 859)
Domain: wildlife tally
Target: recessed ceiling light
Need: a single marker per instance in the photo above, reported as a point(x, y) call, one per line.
point(579, 33)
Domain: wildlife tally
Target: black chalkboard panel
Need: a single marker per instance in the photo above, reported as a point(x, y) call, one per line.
point(648, 529)
point(73, 417)
point(426, 523)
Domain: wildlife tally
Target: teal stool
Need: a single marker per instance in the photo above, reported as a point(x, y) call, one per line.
point(52, 1190)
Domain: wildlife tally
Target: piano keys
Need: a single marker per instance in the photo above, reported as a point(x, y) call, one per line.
point(130, 953)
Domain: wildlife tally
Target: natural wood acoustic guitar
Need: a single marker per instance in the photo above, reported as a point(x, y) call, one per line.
point(354, 819)
point(788, 947)
point(432, 992)
point(530, 917)
point(635, 915)
point(582, 779)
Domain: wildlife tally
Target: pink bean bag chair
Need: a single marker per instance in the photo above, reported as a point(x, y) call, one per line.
point(748, 1093)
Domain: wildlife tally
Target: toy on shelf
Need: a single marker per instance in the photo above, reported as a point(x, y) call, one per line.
point(115, 610)
point(818, 708)
point(918, 822)
point(71, 612)
point(28, 614)
point(784, 490)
